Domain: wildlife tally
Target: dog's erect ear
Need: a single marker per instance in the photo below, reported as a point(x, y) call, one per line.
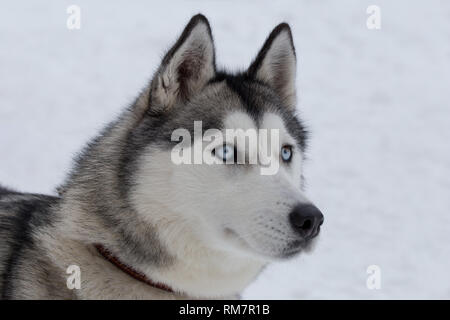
point(186, 67)
point(276, 64)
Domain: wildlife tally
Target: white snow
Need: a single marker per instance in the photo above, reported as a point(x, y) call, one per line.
point(376, 101)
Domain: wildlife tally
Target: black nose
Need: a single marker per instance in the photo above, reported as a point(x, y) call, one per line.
point(306, 219)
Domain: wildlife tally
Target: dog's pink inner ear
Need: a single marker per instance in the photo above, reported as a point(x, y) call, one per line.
point(186, 68)
point(276, 64)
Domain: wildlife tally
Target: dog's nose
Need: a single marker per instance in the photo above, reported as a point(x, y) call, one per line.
point(306, 219)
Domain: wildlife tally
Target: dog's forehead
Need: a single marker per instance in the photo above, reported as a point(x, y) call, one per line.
point(268, 120)
point(234, 95)
point(239, 120)
point(249, 104)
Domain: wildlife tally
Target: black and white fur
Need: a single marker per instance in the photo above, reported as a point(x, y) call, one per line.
point(206, 231)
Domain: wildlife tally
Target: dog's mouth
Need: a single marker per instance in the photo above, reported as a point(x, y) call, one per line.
point(298, 246)
point(292, 249)
point(230, 233)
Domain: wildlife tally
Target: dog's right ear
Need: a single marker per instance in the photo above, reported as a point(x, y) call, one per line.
point(186, 67)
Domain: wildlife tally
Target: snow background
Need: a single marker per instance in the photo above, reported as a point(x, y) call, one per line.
point(376, 101)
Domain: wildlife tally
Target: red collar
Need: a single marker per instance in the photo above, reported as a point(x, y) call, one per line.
point(129, 270)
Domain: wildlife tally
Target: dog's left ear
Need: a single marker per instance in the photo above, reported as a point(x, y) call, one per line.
point(276, 64)
point(186, 67)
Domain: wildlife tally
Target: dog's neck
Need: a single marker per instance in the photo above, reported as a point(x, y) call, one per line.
point(191, 269)
point(210, 274)
point(108, 255)
point(201, 284)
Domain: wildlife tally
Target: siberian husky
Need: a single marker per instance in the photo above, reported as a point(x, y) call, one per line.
point(131, 223)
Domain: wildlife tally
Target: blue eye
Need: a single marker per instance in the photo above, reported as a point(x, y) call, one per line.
point(286, 153)
point(224, 152)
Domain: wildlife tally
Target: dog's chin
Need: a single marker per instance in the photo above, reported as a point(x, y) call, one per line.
point(291, 250)
point(297, 247)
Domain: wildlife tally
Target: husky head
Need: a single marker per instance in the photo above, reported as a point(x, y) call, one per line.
point(233, 206)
